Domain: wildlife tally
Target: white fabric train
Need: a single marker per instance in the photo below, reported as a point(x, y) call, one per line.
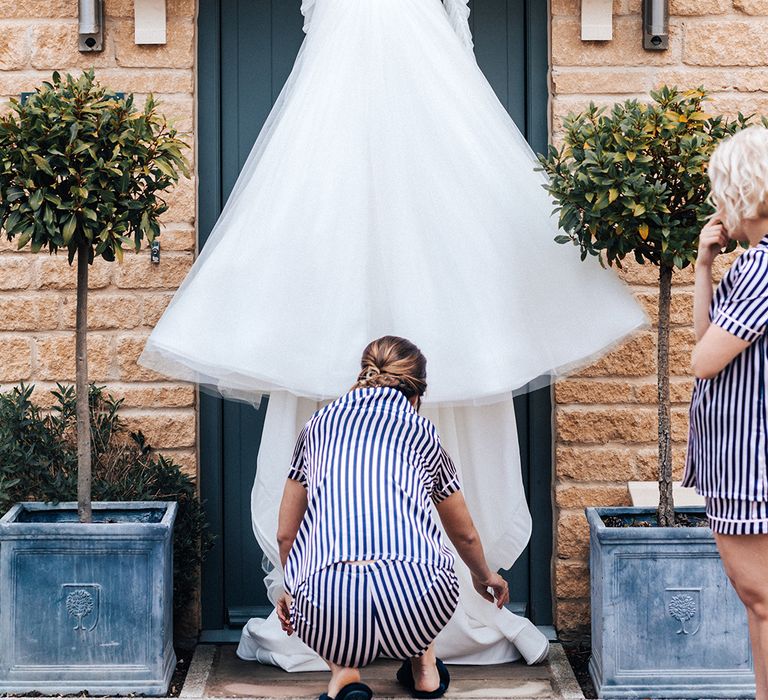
point(483, 443)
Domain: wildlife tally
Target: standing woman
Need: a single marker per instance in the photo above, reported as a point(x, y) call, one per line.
point(366, 569)
point(728, 442)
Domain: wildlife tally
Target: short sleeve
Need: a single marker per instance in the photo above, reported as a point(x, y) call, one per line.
point(744, 310)
point(446, 477)
point(298, 468)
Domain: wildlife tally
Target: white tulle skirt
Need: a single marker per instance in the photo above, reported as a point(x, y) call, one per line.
point(390, 193)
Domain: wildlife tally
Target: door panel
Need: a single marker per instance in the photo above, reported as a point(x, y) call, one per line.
point(245, 53)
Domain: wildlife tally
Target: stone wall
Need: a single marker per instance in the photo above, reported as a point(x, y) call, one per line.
point(606, 415)
point(37, 292)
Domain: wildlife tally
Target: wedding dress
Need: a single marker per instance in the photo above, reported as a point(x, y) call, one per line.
point(389, 192)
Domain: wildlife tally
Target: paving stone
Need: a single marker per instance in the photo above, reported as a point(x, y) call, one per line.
point(219, 673)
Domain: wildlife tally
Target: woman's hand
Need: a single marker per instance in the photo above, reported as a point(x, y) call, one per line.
point(499, 589)
point(712, 239)
point(283, 608)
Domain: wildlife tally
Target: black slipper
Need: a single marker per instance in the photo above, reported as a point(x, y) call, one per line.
point(405, 678)
point(351, 691)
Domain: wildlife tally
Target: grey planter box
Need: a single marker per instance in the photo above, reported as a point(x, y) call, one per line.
point(666, 622)
point(87, 607)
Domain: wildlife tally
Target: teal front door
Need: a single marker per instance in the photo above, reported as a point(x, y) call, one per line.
point(246, 49)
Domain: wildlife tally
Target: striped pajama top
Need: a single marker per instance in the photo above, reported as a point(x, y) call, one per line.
point(727, 446)
point(372, 467)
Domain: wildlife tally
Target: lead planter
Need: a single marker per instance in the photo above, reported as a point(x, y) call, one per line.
point(666, 622)
point(87, 607)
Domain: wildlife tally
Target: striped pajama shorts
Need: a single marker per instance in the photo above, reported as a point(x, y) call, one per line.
point(730, 516)
point(352, 613)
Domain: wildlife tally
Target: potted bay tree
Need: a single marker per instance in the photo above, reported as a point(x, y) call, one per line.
point(632, 182)
point(85, 589)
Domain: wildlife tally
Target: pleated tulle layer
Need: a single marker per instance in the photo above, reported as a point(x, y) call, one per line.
point(388, 193)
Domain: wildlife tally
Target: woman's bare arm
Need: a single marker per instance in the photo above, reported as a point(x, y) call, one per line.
point(712, 239)
point(715, 347)
point(462, 532)
point(715, 351)
point(292, 509)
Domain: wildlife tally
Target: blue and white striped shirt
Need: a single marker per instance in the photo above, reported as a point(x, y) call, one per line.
point(728, 421)
point(372, 467)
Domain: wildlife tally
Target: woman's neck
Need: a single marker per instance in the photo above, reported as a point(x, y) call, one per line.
point(755, 230)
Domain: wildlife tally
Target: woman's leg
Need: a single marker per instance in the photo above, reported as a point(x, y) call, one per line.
point(341, 676)
point(331, 614)
point(745, 558)
point(424, 668)
point(414, 603)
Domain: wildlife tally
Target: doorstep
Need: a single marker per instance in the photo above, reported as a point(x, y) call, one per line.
point(216, 672)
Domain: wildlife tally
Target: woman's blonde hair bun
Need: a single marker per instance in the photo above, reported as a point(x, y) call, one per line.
point(394, 362)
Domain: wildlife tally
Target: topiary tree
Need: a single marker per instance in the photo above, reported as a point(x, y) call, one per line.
point(83, 169)
point(633, 181)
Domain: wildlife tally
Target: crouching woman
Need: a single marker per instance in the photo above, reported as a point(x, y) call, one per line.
point(367, 573)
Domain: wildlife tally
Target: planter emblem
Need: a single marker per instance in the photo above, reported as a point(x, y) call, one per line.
point(82, 603)
point(683, 605)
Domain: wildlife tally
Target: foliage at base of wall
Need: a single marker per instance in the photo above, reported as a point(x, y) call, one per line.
point(38, 462)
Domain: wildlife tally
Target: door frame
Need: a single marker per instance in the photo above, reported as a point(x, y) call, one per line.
point(533, 410)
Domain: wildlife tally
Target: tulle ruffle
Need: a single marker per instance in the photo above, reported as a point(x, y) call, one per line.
point(307, 9)
point(458, 15)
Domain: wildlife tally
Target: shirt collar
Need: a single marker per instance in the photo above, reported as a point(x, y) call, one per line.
point(386, 393)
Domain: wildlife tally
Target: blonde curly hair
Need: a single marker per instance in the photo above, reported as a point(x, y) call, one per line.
point(394, 362)
point(738, 171)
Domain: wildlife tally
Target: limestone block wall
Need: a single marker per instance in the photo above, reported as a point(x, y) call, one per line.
point(605, 417)
point(37, 292)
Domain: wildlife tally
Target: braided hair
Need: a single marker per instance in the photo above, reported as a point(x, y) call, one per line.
point(394, 362)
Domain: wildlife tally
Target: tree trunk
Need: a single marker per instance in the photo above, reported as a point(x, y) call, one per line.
point(666, 513)
point(81, 387)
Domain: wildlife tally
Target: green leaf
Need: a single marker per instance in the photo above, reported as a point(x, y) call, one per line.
point(68, 229)
point(42, 163)
point(24, 238)
point(13, 193)
point(165, 167)
point(36, 199)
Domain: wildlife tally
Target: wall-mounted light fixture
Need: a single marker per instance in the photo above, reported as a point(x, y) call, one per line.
point(656, 25)
point(149, 21)
point(90, 26)
point(596, 20)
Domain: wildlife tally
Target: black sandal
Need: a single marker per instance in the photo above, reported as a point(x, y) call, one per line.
point(405, 678)
point(351, 691)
